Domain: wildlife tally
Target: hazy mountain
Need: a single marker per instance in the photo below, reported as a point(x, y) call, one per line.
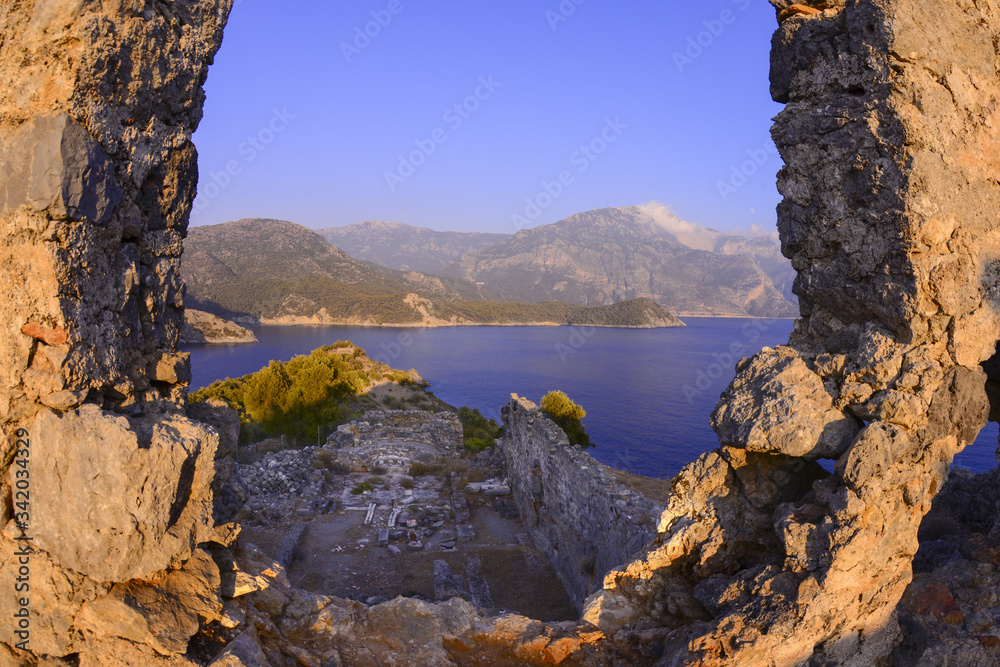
point(613, 254)
point(274, 271)
point(400, 246)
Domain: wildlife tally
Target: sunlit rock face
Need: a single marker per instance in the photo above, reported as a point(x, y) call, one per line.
point(97, 175)
point(891, 140)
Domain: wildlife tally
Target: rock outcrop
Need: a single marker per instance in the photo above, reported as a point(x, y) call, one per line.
point(102, 473)
point(889, 136)
point(202, 327)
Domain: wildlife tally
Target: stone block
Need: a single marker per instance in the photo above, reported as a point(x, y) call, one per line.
point(51, 163)
point(171, 368)
point(144, 489)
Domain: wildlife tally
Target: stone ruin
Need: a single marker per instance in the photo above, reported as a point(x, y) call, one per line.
point(396, 439)
point(891, 140)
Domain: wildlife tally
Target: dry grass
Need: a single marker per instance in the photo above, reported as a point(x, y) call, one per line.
point(657, 490)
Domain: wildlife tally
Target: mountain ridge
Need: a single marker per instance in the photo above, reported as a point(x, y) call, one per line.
point(258, 270)
point(405, 247)
point(613, 254)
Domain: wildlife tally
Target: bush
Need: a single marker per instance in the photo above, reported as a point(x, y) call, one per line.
point(374, 481)
point(303, 398)
point(378, 470)
point(361, 488)
point(421, 469)
point(406, 483)
point(568, 416)
point(478, 432)
point(558, 405)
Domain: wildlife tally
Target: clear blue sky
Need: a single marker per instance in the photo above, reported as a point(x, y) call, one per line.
point(309, 119)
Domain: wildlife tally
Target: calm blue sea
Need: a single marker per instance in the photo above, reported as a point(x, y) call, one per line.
point(648, 392)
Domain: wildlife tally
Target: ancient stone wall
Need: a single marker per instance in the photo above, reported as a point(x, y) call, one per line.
point(440, 429)
point(97, 107)
point(577, 513)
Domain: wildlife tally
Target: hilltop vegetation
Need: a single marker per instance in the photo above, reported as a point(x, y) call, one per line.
point(310, 395)
point(305, 396)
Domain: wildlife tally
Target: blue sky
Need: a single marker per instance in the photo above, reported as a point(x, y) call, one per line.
point(489, 116)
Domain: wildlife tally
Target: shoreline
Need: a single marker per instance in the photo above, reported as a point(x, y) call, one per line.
point(446, 325)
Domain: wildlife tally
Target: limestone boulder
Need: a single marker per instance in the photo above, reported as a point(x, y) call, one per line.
point(163, 614)
point(51, 163)
point(140, 493)
point(778, 404)
point(244, 651)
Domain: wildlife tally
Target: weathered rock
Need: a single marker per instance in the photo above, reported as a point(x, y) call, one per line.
point(776, 404)
point(99, 171)
point(244, 651)
point(445, 585)
point(53, 164)
point(163, 615)
point(142, 490)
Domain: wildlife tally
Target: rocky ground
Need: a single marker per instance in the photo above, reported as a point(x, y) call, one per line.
point(305, 511)
point(950, 613)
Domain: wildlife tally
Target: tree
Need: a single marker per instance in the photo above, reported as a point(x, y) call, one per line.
point(568, 416)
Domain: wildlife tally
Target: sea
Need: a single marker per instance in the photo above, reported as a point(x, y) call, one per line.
point(648, 393)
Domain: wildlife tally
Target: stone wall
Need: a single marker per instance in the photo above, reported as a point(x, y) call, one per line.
point(98, 175)
point(577, 513)
point(440, 429)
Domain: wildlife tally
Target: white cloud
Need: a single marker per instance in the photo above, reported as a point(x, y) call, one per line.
point(661, 215)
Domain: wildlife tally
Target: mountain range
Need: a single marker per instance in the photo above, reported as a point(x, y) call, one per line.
point(406, 248)
point(277, 271)
point(614, 254)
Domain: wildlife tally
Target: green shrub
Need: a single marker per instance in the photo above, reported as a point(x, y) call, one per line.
point(361, 488)
point(568, 416)
point(478, 432)
point(406, 483)
point(303, 398)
